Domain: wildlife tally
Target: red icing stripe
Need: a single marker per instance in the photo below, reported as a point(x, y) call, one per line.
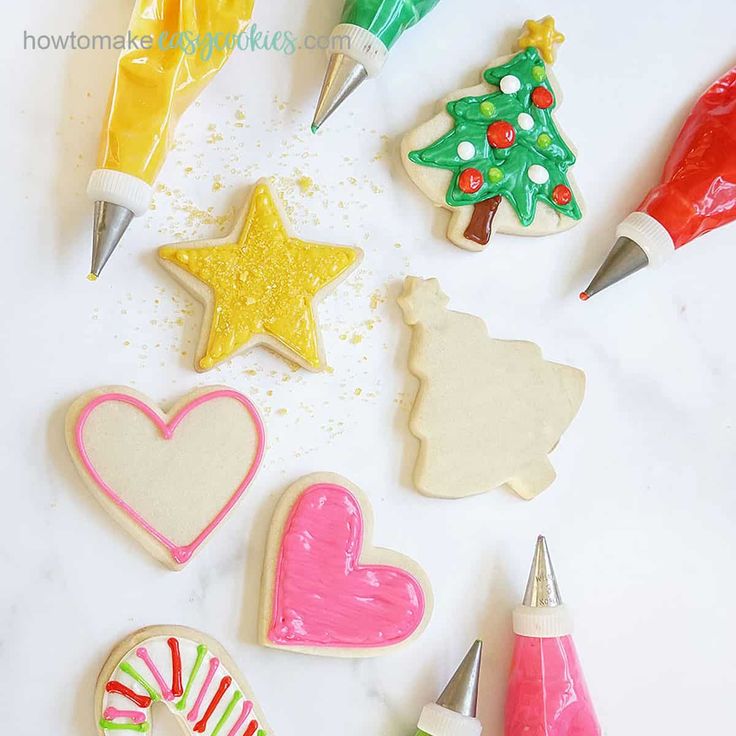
point(142, 701)
point(176, 687)
point(221, 690)
point(252, 726)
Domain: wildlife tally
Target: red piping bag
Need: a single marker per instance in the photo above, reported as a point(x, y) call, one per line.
point(696, 194)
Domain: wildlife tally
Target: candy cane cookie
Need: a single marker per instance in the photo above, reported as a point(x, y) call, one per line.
point(188, 672)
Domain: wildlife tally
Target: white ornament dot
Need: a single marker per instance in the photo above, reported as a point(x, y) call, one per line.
point(525, 121)
point(538, 174)
point(510, 84)
point(465, 150)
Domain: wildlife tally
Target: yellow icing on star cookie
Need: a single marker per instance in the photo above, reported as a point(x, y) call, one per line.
point(263, 285)
point(543, 35)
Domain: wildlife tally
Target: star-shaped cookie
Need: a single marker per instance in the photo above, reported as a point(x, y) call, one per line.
point(260, 285)
point(543, 36)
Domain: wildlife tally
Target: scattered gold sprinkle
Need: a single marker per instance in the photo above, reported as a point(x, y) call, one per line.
point(306, 185)
point(376, 299)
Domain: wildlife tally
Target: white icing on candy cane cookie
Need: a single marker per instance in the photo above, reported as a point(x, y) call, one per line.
point(187, 671)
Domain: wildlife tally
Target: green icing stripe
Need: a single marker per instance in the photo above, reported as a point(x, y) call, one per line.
point(421, 733)
point(238, 695)
point(128, 669)
point(261, 732)
point(110, 726)
point(201, 651)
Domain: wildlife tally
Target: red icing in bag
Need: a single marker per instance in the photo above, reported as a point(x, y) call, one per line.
point(697, 191)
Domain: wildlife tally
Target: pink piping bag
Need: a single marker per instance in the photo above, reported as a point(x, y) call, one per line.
point(547, 694)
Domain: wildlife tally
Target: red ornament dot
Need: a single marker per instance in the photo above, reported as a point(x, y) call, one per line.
point(501, 134)
point(470, 181)
point(561, 195)
point(542, 97)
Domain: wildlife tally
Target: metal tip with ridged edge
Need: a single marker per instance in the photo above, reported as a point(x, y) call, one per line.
point(343, 76)
point(626, 257)
point(541, 588)
point(110, 223)
point(461, 693)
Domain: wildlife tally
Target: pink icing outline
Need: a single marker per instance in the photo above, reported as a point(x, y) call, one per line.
point(305, 641)
point(134, 716)
point(244, 713)
point(194, 712)
point(144, 656)
point(180, 554)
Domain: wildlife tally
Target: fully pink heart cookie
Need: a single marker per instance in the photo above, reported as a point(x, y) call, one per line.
point(169, 478)
point(326, 590)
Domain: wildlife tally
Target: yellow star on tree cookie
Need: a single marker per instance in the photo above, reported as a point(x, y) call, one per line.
point(260, 285)
point(543, 35)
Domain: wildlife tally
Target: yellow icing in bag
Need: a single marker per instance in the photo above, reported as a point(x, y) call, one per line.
point(153, 86)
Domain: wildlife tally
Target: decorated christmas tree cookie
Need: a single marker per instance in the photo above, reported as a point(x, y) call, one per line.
point(260, 285)
point(186, 671)
point(488, 411)
point(494, 156)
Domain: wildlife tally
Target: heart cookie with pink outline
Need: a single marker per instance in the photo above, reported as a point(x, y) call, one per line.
point(169, 478)
point(326, 589)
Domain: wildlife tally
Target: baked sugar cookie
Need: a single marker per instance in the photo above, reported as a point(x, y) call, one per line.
point(260, 285)
point(168, 478)
point(494, 156)
point(187, 671)
point(326, 590)
point(488, 411)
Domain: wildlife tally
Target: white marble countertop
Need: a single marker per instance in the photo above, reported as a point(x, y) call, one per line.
point(641, 518)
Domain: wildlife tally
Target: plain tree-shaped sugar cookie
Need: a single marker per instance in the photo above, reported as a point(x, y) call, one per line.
point(488, 411)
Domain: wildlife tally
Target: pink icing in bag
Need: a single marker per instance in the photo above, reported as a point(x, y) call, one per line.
point(547, 694)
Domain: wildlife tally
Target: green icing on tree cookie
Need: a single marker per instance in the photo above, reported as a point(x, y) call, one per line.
point(496, 139)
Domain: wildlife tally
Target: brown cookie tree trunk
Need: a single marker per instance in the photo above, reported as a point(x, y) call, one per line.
point(481, 221)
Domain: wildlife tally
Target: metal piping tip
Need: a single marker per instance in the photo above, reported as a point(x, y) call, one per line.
point(626, 257)
point(343, 76)
point(461, 693)
point(110, 223)
point(541, 588)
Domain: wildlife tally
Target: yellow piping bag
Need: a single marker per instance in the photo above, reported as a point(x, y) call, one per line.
point(182, 44)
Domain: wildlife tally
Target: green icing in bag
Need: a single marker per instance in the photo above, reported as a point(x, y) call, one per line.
point(386, 19)
point(361, 42)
